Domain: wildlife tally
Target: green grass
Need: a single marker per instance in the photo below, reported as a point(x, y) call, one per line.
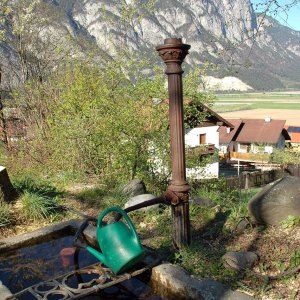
point(6, 217)
point(256, 105)
point(36, 207)
point(260, 96)
point(36, 186)
point(102, 197)
point(239, 210)
point(290, 222)
point(215, 224)
point(295, 258)
point(236, 102)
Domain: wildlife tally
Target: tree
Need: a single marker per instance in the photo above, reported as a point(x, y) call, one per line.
point(103, 121)
point(285, 157)
point(97, 119)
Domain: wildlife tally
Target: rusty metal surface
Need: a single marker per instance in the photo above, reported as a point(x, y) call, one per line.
point(173, 52)
point(175, 198)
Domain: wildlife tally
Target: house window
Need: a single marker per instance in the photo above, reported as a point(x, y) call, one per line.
point(202, 138)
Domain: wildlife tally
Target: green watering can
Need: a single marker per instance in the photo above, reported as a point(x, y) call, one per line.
point(119, 243)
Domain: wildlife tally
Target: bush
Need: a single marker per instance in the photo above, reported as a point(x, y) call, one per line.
point(101, 122)
point(284, 157)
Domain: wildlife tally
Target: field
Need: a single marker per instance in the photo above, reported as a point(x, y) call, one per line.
point(279, 105)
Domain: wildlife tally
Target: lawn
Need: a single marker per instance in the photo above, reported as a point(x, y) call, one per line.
point(237, 102)
point(294, 96)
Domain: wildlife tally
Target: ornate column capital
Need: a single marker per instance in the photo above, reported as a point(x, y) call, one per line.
point(173, 52)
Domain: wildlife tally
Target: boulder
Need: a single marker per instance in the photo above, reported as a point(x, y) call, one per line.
point(134, 187)
point(141, 199)
point(242, 226)
point(239, 261)
point(7, 191)
point(276, 201)
point(5, 293)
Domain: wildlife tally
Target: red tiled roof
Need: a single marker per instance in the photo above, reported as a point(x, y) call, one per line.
point(260, 131)
point(254, 131)
point(295, 137)
point(225, 137)
point(294, 132)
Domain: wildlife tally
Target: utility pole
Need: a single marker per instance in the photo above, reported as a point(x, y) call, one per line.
point(173, 52)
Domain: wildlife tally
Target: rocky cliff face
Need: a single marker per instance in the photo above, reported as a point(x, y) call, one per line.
point(226, 33)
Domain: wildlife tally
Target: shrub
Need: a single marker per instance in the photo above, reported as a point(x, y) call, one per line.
point(101, 122)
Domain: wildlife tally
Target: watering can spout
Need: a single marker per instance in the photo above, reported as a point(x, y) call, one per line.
point(97, 254)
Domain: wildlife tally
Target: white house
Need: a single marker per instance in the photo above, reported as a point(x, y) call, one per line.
point(252, 136)
point(204, 141)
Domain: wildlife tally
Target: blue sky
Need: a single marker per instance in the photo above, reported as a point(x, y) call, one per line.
point(289, 18)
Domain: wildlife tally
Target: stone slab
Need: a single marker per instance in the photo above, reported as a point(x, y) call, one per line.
point(39, 235)
point(173, 282)
point(5, 293)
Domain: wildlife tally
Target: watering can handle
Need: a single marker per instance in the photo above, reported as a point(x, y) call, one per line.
point(120, 211)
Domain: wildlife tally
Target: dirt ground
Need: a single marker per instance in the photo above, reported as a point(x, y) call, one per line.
point(275, 248)
point(292, 117)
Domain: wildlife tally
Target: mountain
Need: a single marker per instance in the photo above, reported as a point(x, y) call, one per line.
point(227, 34)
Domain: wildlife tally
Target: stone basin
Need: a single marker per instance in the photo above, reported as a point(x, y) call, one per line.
point(165, 281)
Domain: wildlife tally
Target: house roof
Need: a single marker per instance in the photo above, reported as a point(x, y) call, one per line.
point(213, 118)
point(295, 137)
point(294, 133)
point(256, 131)
point(225, 136)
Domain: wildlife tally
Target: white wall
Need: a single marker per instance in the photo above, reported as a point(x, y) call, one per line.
point(209, 171)
point(223, 148)
point(192, 136)
point(269, 149)
point(241, 149)
point(192, 139)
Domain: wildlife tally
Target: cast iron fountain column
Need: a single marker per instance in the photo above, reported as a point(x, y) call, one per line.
point(173, 52)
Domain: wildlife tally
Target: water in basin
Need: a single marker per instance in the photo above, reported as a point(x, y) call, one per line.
point(30, 265)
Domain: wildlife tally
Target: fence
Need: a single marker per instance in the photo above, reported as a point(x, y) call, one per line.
point(247, 180)
point(293, 170)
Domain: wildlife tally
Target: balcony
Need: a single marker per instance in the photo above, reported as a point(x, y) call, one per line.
point(251, 157)
point(204, 149)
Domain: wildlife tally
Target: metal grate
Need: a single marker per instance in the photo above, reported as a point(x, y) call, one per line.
point(99, 278)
